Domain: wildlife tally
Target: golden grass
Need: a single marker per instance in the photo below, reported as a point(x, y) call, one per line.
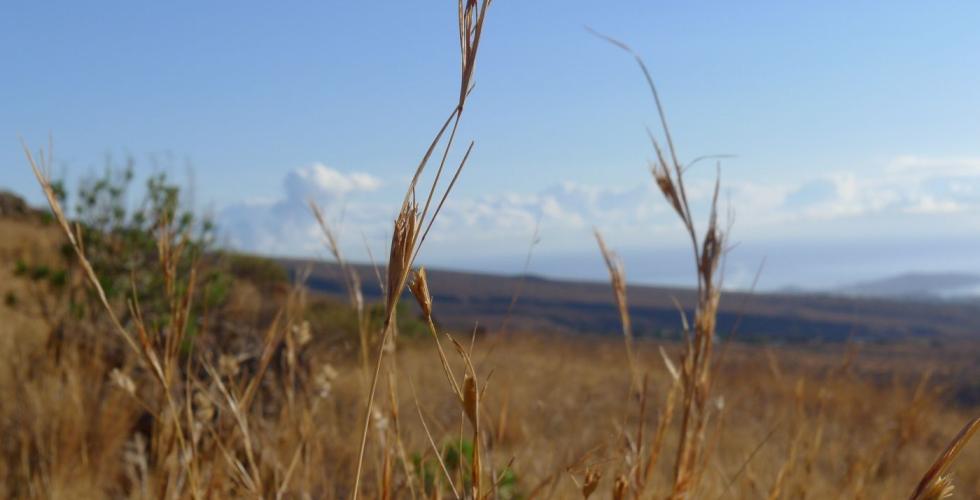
point(551, 401)
point(29, 318)
point(540, 417)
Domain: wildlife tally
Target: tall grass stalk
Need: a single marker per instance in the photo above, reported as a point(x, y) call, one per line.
point(707, 249)
point(408, 235)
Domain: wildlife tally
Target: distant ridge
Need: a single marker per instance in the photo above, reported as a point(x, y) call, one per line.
point(918, 286)
point(549, 305)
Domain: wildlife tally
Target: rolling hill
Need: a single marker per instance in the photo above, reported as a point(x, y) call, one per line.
point(886, 310)
point(464, 299)
point(932, 286)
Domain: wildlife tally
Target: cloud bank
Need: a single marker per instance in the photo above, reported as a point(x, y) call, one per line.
point(284, 225)
point(907, 196)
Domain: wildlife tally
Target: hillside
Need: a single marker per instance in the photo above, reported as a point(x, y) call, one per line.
point(886, 310)
point(464, 299)
point(26, 235)
point(929, 286)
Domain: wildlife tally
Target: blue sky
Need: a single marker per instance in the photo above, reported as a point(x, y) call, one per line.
point(856, 125)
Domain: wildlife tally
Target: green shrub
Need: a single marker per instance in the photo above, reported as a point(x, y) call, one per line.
point(143, 253)
point(262, 271)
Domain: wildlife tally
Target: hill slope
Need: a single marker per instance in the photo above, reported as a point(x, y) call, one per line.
point(919, 286)
point(463, 299)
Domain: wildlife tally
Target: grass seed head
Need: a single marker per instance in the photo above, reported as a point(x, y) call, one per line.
point(403, 240)
point(203, 407)
point(666, 184)
point(620, 487)
point(228, 365)
point(592, 477)
point(470, 398)
point(324, 379)
point(938, 489)
point(420, 289)
point(936, 484)
point(302, 333)
point(122, 381)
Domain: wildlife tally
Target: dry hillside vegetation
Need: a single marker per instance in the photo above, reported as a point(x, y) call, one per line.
point(210, 377)
point(24, 237)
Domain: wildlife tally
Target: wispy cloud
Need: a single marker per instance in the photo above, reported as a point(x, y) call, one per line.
point(906, 184)
point(844, 204)
point(566, 206)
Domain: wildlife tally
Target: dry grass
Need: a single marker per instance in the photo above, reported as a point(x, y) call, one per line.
point(138, 415)
point(556, 408)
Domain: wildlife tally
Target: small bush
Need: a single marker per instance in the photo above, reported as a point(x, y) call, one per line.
point(264, 272)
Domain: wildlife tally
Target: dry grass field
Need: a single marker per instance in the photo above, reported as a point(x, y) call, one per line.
point(791, 423)
point(155, 389)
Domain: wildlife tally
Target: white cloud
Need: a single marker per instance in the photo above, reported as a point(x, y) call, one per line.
point(858, 203)
point(285, 226)
point(948, 166)
point(319, 181)
point(904, 185)
point(566, 213)
point(929, 205)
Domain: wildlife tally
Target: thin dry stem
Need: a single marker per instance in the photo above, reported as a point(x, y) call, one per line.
point(405, 242)
point(935, 483)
